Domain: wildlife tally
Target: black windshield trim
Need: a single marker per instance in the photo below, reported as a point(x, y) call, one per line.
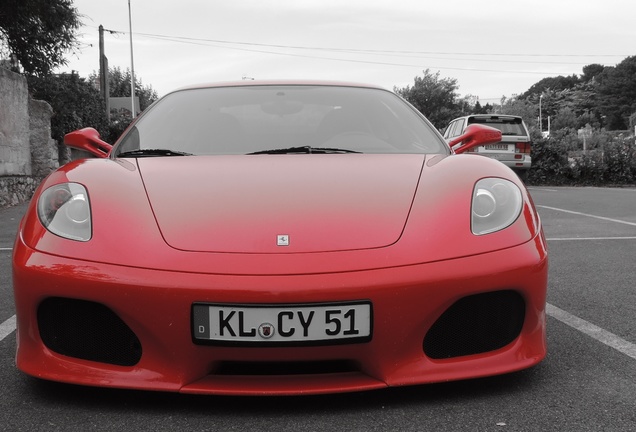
point(152, 153)
point(304, 150)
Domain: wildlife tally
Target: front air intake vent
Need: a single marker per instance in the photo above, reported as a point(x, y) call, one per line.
point(87, 330)
point(476, 324)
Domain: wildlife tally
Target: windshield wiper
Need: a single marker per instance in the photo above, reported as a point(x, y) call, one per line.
point(152, 152)
point(304, 150)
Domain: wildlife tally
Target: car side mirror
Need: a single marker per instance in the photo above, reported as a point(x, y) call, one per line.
point(88, 139)
point(473, 136)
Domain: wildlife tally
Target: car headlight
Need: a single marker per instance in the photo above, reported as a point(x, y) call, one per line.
point(496, 205)
point(65, 211)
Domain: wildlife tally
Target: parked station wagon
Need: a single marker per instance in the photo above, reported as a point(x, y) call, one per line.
point(514, 148)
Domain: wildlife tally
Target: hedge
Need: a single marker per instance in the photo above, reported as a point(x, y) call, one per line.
point(554, 162)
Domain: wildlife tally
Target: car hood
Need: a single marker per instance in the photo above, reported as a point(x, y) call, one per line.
point(281, 203)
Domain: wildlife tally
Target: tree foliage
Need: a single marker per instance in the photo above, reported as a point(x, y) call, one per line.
point(591, 71)
point(617, 93)
point(521, 107)
point(38, 33)
point(76, 103)
point(554, 84)
point(119, 86)
point(435, 97)
point(603, 96)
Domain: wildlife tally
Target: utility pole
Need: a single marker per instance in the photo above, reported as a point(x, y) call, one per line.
point(540, 118)
point(132, 65)
point(104, 89)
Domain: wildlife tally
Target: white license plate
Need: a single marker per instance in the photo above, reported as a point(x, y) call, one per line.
point(311, 324)
point(496, 147)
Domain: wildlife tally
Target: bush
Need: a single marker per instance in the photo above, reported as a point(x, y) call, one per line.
point(588, 168)
point(549, 163)
point(619, 158)
point(75, 102)
point(558, 160)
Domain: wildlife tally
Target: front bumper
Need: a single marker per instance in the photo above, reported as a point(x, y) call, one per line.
point(156, 306)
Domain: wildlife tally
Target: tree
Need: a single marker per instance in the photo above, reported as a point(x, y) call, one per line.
point(119, 86)
point(527, 109)
point(584, 102)
point(555, 84)
point(565, 118)
point(617, 93)
point(38, 33)
point(479, 109)
point(435, 97)
point(591, 71)
point(76, 103)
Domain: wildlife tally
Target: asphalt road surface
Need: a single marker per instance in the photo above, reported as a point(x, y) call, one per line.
point(586, 383)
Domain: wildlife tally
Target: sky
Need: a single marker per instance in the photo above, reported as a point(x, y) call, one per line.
point(493, 48)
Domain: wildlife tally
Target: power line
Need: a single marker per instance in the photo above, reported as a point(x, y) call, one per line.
point(349, 60)
point(350, 51)
point(368, 51)
point(224, 45)
point(410, 54)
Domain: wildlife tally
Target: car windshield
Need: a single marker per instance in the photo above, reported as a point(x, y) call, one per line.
point(269, 119)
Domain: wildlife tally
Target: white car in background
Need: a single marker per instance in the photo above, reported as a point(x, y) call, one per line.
point(514, 148)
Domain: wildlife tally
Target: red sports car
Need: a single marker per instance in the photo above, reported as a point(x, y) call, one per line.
point(261, 238)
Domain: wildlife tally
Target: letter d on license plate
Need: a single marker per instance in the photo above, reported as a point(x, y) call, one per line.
point(311, 324)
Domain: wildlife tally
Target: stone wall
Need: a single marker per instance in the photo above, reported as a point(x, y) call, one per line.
point(44, 149)
point(16, 189)
point(15, 152)
point(27, 152)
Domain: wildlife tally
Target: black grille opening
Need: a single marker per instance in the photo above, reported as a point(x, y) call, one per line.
point(476, 324)
point(284, 368)
point(88, 331)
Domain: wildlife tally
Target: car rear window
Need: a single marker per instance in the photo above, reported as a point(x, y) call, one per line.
point(507, 125)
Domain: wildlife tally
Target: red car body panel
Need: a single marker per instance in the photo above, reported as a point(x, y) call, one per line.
point(442, 200)
point(392, 230)
point(321, 210)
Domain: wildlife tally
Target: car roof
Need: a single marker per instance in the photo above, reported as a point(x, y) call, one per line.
point(490, 116)
point(252, 83)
